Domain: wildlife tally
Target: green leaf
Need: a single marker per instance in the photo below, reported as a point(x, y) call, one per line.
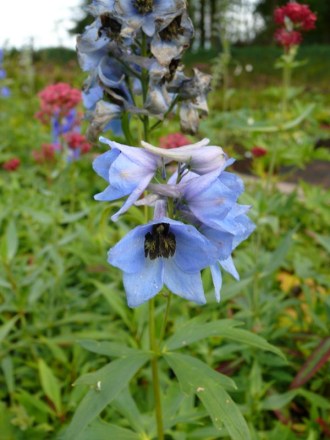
point(6, 328)
point(11, 241)
point(105, 431)
point(50, 385)
point(196, 377)
point(277, 258)
point(111, 349)
point(194, 331)
point(7, 367)
point(278, 401)
point(106, 385)
point(323, 240)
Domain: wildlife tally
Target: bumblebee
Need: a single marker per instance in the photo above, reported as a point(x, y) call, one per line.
point(160, 242)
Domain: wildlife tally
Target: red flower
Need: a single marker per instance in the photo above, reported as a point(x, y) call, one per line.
point(300, 15)
point(78, 141)
point(57, 99)
point(11, 164)
point(287, 39)
point(174, 140)
point(258, 151)
point(46, 154)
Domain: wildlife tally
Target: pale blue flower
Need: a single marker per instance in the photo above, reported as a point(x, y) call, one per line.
point(237, 227)
point(200, 157)
point(128, 170)
point(163, 252)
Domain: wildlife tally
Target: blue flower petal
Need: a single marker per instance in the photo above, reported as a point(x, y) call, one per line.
point(229, 266)
point(109, 194)
point(222, 240)
point(146, 284)
point(102, 163)
point(193, 251)
point(128, 253)
point(217, 280)
point(186, 285)
point(135, 194)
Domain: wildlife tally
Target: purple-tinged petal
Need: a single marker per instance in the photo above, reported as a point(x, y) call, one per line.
point(201, 158)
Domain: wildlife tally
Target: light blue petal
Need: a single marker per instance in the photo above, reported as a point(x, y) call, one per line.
point(146, 284)
point(135, 154)
point(211, 205)
point(186, 285)
point(232, 182)
point(109, 194)
point(193, 251)
point(92, 96)
point(229, 266)
point(128, 253)
point(102, 164)
point(217, 280)
point(136, 193)
point(222, 240)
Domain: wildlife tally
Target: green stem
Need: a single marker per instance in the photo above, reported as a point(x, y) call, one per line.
point(166, 316)
point(286, 86)
point(154, 369)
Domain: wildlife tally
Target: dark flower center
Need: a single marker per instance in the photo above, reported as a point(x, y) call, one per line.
point(160, 242)
point(144, 6)
point(174, 29)
point(110, 26)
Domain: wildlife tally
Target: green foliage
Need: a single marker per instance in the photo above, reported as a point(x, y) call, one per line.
point(253, 361)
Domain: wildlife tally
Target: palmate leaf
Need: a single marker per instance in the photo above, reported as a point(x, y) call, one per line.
point(194, 331)
point(196, 377)
point(106, 384)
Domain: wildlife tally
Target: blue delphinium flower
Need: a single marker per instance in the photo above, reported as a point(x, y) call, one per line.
point(204, 204)
point(128, 170)
point(163, 252)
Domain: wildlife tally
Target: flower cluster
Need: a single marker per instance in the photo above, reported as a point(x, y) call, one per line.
point(58, 108)
point(46, 154)
point(11, 164)
point(4, 89)
point(134, 47)
point(293, 19)
point(197, 220)
point(57, 100)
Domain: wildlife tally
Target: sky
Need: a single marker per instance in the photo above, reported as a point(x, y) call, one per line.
point(46, 21)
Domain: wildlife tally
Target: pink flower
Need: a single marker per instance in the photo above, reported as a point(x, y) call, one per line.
point(258, 151)
point(11, 164)
point(173, 140)
point(287, 39)
point(78, 141)
point(46, 154)
point(300, 15)
point(57, 99)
